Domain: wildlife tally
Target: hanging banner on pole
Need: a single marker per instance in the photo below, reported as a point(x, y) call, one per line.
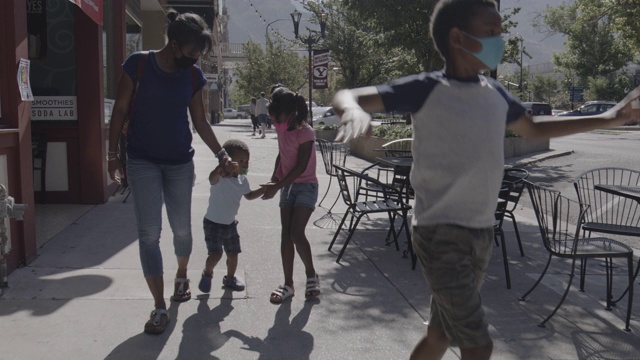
point(320, 69)
point(93, 9)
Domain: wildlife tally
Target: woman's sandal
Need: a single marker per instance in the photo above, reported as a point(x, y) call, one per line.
point(157, 322)
point(282, 293)
point(313, 288)
point(181, 292)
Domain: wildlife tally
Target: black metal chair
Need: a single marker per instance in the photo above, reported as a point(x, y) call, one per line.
point(390, 203)
point(560, 220)
point(515, 176)
point(333, 153)
point(498, 233)
point(608, 213)
point(399, 147)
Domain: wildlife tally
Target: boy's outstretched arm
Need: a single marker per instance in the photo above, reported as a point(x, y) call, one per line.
point(626, 111)
point(353, 106)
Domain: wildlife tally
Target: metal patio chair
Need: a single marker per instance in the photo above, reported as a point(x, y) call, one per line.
point(515, 176)
point(390, 203)
point(608, 213)
point(560, 220)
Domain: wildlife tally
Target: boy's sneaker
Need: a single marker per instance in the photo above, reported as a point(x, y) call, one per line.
point(233, 283)
point(205, 283)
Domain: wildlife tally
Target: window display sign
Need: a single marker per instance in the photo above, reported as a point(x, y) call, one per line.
point(54, 108)
point(23, 80)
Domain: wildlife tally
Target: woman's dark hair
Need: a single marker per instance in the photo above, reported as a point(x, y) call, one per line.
point(189, 28)
point(234, 147)
point(284, 101)
point(448, 14)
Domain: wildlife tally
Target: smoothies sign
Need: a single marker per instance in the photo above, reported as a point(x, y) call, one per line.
point(54, 108)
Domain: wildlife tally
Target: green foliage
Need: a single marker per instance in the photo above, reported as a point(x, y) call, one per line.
point(326, 127)
point(277, 64)
point(614, 87)
point(594, 46)
point(405, 25)
point(393, 132)
point(544, 88)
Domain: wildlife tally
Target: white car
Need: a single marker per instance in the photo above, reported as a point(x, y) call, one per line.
point(329, 117)
point(230, 113)
point(319, 111)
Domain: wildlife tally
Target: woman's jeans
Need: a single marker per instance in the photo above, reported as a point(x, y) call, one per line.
point(151, 184)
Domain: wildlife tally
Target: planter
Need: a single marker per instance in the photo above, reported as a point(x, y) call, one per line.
point(519, 146)
point(367, 148)
point(328, 135)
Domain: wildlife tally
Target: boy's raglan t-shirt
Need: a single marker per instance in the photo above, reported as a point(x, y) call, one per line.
point(224, 199)
point(458, 147)
point(288, 144)
point(159, 131)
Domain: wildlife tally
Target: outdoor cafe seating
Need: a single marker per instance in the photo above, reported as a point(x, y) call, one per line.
point(389, 201)
point(613, 196)
point(561, 222)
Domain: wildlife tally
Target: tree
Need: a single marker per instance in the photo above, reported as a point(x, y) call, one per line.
point(277, 64)
point(406, 25)
point(613, 87)
point(544, 88)
point(357, 48)
point(594, 48)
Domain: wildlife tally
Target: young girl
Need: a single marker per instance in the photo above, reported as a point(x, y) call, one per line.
point(295, 175)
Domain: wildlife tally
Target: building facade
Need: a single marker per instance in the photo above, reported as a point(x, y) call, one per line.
point(60, 61)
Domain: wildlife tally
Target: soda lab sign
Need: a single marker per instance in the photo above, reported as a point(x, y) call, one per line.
point(54, 108)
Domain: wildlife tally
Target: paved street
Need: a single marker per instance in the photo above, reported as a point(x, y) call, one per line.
point(85, 297)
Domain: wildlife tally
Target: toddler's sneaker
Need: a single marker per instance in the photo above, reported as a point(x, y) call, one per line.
point(233, 283)
point(205, 283)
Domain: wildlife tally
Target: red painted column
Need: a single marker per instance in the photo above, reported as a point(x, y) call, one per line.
point(15, 139)
point(90, 95)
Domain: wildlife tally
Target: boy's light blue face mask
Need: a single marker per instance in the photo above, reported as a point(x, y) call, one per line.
point(492, 50)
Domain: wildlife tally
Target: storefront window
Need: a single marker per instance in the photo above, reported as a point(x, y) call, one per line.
point(52, 49)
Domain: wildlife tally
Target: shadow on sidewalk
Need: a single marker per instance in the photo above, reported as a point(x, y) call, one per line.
point(146, 346)
point(284, 337)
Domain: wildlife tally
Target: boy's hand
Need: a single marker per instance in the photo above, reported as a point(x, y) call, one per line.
point(230, 168)
point(354, 122)
point(270, 190)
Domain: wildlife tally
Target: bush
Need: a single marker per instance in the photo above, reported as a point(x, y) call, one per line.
point(325, 127)
point(393, 132)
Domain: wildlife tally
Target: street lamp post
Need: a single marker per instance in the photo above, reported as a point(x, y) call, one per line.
point(309, 40)
point(521, 66)
point(266, 30)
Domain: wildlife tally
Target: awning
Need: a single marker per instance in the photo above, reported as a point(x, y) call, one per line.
point(93, 9)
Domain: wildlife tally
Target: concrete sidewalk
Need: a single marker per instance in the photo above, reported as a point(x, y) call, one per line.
point(85, 297)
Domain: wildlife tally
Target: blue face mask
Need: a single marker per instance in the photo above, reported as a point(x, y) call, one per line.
point(492, 50)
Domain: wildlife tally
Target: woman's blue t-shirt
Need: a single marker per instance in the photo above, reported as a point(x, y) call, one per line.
point(159, 127)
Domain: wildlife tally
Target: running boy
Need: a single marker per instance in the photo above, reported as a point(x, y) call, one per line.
point(220, 225)
point(458, 129)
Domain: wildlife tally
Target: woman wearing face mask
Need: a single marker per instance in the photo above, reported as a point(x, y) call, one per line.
point(155, 91)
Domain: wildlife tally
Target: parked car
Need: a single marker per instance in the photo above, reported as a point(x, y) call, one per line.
point(329, 117)
point(590, 108)
point(537, 108)
point(230, 113)
point(319, 111)
point(245, 109)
